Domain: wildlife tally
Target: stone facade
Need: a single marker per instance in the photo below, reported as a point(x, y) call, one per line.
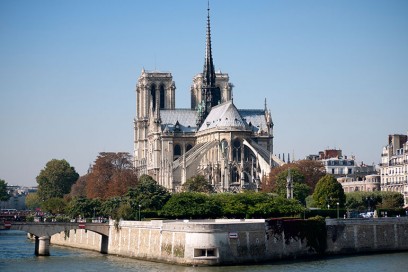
point(394, 165)
point(232, 148)
point(369, 183)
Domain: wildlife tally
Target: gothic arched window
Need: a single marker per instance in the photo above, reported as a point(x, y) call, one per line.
point(189, 146)
point(177, 151)
point(162, 97)
point(236, 154)
point(153, 96)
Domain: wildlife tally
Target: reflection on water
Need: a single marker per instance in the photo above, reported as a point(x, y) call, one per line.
point(17, 254)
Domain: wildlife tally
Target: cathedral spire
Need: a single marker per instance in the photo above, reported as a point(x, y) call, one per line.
point(209, 72)
point(210, 93)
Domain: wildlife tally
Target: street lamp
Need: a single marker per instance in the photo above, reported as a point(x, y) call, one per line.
point(139, 212)
point(338, 210)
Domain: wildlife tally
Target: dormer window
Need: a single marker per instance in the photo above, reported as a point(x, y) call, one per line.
point(177, 127)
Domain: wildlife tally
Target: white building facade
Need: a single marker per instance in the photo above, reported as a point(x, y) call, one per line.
point(394, 165)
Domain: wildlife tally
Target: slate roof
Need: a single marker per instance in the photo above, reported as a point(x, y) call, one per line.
point(185, 117)
point(224, 115)
point(255, 118)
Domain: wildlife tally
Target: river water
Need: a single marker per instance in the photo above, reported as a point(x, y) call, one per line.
point(17, 254)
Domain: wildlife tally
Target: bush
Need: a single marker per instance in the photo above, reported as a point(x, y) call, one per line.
point(191, 205)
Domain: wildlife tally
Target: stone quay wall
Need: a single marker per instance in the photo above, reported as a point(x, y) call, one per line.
point(222, 242)
point(78, 238)
point(366, 235)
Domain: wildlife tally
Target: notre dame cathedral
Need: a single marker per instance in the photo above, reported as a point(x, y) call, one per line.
point(231, 147)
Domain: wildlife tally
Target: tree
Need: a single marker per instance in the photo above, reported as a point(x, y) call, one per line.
point(255, 204)
point(110, 207)
point(300, 189)
point(84, 207)
point(32, 201)
point(56, 179)
point(312, 172)
point(391, 200)
point(54, 205)
point(78, 189)
point(329, 191)
point(191, 205)
point(148, 193)
point(112, 175)
point(270, 183)
point(198, 183)
point(4, 195)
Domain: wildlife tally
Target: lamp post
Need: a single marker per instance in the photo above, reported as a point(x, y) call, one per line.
point(94, 213)
point(139, 212)
point(338, 210)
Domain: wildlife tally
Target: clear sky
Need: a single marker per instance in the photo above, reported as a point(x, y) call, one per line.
point(334, 73)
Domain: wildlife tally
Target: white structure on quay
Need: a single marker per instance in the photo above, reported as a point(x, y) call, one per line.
point(394, 165)
point(231, 147)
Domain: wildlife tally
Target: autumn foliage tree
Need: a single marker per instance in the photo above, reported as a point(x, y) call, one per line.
point(312, 172)
point(79, 188)
point(111, 175)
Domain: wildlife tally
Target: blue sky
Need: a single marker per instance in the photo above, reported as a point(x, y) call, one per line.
point(334, 73)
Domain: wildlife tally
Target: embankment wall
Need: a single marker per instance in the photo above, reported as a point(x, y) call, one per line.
point(219, 242)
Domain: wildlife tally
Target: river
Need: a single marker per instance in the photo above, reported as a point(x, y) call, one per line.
point(17, 254)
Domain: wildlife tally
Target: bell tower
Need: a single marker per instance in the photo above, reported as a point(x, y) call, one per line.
point(155, 91)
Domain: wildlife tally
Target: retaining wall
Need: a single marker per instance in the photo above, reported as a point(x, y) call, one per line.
point(219, 242)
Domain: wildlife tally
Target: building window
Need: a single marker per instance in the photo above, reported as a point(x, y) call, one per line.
point(205, 252)
point(162, 97)
point(236, 150)
point(153, 97)
point(177, 151)
point(189, 146)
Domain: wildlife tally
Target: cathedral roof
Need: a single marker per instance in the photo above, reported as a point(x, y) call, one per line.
point(186, 119)
point(255, 119)
point(224, 115)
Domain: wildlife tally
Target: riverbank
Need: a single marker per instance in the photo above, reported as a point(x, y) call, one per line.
point(226, 242)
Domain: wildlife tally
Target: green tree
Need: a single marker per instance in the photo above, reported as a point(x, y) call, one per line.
point(199, 184)
point(191, 205)
point(232, 205)
point(109, 207)
point(148, 193)
point(4, 195)
point(300, 189)
point(54, 205)
point(329, 191)
point(391, 200)
point(363, 201)
point(275, 207)
point(125, 212)
point(32, 201)
point(56, 179)
point(84, 207)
